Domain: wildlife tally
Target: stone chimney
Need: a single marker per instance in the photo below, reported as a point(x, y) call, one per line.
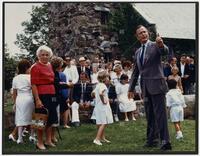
point(78, 29)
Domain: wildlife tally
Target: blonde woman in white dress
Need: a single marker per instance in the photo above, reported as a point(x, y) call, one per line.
point(102, 110)
point(23, 98)
point(125, 104)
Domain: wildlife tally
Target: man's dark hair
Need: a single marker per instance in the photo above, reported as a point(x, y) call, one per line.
point(138, 27)
point(172, 84)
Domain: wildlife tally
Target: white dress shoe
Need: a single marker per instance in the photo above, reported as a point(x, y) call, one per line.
point(32, 139)
point(97, 142)
point(20, 141)
point(127, 119)
point(133, 118)
point(179, 135)
point(105, 140)
point(116, 118)
point(11, 137)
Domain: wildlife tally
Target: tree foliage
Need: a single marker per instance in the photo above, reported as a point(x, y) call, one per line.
point(10, 64)
point(35, 30)
point(123, 21)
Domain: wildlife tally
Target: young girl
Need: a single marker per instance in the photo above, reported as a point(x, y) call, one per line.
point(102, 110)
point(23, 98)
point(176, 103)
point(125, 104)
point(127, 69)
point(176, 77)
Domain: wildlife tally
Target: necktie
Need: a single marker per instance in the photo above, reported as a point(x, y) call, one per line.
point(82, 88)
point(82, 91)
point(142, 55)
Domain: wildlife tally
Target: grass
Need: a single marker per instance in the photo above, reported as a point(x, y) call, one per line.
point(126, 137)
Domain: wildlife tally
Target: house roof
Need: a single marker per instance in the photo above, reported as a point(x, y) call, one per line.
point(172, 20)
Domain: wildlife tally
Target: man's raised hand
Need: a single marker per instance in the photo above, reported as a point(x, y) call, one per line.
point(159, 41)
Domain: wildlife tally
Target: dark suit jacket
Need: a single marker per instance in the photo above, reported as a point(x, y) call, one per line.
point(152, 76)
point(111, 92)
point(77, 92)
point(186, 70)
point(167, 71)
point(87, 70)
point(192, 73)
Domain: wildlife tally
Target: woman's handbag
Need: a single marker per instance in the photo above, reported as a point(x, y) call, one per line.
point(39, 118)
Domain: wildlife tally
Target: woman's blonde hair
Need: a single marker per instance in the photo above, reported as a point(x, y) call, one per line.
point(117, 66)
point(102, 75)
point(175, 68)
point(45, 48)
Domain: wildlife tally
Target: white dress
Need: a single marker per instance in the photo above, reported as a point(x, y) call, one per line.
point(24, 100)
point(102, 112)
point(175, 101)
point(125, 104)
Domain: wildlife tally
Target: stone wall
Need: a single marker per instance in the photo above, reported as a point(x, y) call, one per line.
point(78, 28)
point(190, 112)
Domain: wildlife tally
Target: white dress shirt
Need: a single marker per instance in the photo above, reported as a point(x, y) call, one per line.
point(182, 69)
point(71, 74)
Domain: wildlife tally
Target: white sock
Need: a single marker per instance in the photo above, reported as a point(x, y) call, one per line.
point(20, 130)
point(32, 133)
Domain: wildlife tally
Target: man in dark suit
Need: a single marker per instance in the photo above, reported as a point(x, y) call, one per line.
point(192, 75)
point(153, 85)
point(184, 73)
point(168, 68)
point(83, 68)
point(81, 97)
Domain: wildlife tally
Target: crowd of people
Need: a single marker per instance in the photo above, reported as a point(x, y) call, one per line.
point(65, 85)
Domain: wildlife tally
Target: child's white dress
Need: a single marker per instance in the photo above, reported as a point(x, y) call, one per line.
point(175, 101)
point(24, 100)
point(102, 112)
point(125, 104)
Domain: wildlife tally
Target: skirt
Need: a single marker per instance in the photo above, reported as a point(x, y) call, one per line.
point(49, 101)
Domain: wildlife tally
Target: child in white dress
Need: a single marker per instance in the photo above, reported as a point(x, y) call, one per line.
point(125, 104)
point(23, 98)
point(176, 103)
point(102, 110)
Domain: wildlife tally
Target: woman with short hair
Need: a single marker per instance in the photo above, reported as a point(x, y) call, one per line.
point(42, 81)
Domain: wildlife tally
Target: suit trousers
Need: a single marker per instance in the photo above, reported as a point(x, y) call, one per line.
point(156, 116)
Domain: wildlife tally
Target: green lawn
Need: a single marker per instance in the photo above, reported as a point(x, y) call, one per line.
point(125, 137)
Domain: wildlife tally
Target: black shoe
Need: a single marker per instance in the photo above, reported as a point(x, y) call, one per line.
point(151, 144)
point(166, 146)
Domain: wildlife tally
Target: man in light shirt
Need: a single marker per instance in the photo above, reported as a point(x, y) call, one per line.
point(71, 71)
